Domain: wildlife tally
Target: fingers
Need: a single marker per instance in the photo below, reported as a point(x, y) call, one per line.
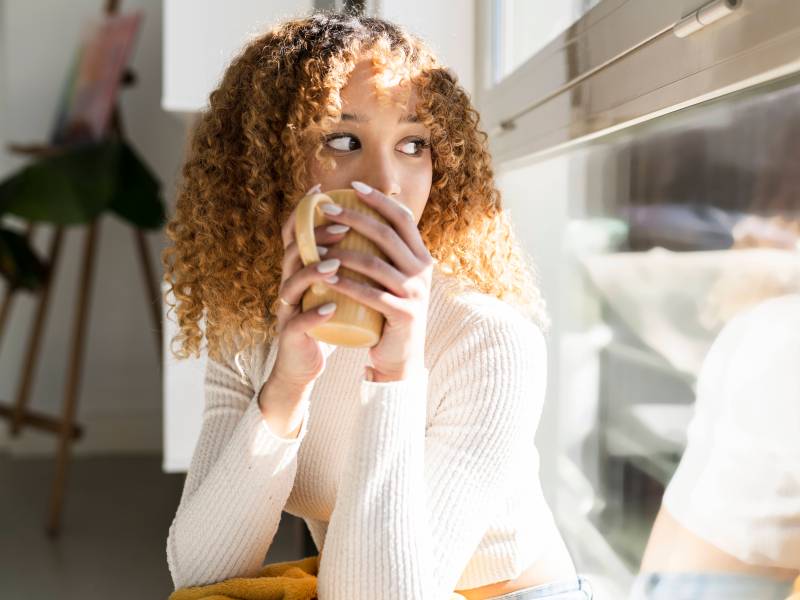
point(393, 307)
point(383, 235)
point(291, 255)
point(287, 229)
point(398, 214)
point(294, 287)
point(303, 321)
point(376, 269)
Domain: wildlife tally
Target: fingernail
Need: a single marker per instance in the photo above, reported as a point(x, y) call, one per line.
point(403, 206)
point(314, 189)
point(338, 228)
point(322, 250)
point(328, 265)
point(332, 279)
point(360, 186)
point(327, 308)
point(330, 209)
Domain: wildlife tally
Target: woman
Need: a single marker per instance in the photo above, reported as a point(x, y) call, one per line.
point(729, 524)
point(416, 473)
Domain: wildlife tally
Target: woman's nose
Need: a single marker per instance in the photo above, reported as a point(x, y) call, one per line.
point(382, 174)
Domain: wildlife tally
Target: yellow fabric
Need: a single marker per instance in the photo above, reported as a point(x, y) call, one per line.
point(795, 590)
point(290, 580)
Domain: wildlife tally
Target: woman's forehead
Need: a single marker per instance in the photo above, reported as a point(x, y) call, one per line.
point(373, 88)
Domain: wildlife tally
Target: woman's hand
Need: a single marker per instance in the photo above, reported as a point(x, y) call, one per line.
point(407, 280)
point(301, 358)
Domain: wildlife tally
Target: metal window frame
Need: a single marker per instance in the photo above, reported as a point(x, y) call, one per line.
point(621, 64)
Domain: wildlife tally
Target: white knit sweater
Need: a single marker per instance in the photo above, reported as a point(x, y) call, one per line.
point(416, 487)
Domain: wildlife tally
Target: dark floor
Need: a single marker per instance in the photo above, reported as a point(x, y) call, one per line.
point(115, 519)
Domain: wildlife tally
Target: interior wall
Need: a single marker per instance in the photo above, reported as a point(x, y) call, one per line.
point(119, 401)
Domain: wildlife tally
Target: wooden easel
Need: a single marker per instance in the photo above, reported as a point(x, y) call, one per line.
point(65, 426)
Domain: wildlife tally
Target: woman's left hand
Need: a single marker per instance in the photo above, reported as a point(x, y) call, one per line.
point(407, 280)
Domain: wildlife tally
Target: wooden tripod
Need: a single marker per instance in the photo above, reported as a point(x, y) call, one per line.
point(65, 426)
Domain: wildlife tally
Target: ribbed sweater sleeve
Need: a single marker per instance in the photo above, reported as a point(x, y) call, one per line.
point(239, 478)
point(412, 504)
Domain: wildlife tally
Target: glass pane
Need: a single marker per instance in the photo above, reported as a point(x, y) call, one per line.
point(523, 27)
point(669, 254)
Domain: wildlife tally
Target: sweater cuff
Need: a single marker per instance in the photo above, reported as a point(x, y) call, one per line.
point(266, 441)
point(409, 394)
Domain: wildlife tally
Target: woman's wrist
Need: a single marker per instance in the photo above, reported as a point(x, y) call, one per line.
point(406, 372)
point(283, 406)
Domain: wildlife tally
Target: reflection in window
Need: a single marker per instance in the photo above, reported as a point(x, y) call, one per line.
point(676, 311)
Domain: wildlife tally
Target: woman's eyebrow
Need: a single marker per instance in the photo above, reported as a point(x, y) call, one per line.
point(410, 118)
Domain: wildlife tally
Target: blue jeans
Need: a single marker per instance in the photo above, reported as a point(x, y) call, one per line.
point(578, 589)
point(707, 586)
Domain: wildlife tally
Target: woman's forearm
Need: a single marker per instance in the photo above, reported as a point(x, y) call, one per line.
point(283, 406)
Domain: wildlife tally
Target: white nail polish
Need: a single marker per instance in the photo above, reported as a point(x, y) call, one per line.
point(360, 186)
point(332, 279)
point(329, 265)
point(327, 308)
point(403, 206)
point(330, 209)
point(338, 228)
point(322, 250)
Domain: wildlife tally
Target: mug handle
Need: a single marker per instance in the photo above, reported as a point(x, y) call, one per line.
point(304, 224)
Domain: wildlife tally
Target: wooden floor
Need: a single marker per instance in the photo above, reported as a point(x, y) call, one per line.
point(116, 516)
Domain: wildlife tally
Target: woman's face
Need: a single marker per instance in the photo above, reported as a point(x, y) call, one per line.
point(377, 143)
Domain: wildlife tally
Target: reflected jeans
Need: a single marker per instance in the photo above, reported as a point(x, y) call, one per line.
point(707, 586)
point(578, 589)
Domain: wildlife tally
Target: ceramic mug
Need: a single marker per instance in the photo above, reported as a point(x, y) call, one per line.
point(352, 324)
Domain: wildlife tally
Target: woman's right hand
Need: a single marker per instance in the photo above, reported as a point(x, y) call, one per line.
point(301, 358)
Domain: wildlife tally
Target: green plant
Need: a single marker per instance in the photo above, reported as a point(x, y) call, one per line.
point(74, 187)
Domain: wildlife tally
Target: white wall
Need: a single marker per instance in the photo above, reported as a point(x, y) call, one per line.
point(202, 36)
point(448, 27)
point(120, 391)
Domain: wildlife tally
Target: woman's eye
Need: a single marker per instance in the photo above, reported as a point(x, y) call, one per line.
point(348, 143)
point(342, 142)
point(416, 145)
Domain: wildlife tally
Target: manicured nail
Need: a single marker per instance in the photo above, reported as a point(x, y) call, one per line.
point(403, 206)
point(322, 250)
point(330, 209)
point(314, 189)
point(327, 308)
point(328, 265)
point(360, 186)
point(338, 228)
point(332, 279)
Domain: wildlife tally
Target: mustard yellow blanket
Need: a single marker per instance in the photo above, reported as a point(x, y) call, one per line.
point(795, 591)
point(291, 580)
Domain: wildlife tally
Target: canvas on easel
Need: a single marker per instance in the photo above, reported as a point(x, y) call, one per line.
point(90, 90)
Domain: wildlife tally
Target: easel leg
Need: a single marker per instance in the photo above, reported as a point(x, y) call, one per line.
point(76, 359)
point(154, 297)
point(34, 342)
point(8, 294)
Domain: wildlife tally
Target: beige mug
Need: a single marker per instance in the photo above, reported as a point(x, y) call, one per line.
point(352, 324)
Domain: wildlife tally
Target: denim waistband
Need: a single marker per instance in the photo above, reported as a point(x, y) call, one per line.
point(568, 589)
point(707, 586)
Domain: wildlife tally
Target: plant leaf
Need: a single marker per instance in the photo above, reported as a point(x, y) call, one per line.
point(19, 264)
point(137, 193)
point(70, 188)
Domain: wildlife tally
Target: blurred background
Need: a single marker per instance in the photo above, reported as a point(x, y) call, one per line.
point(647, 152)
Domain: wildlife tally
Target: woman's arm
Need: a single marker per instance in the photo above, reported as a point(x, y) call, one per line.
point(413, 505)
point(238, 481)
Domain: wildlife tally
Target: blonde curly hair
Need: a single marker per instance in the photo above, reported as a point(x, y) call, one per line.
point(246, 169)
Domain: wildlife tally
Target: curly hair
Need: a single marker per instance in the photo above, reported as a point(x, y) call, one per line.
point(246, 170)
